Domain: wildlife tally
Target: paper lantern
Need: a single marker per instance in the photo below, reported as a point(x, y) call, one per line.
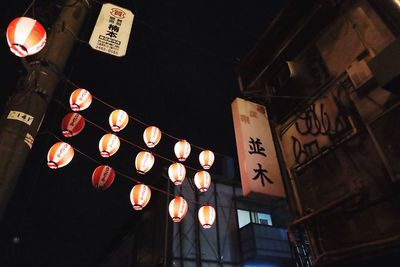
point(109, 145)
point(206, 216)
point(80, 99)
point(182, 150)
point(144, 161)
point(202, 180)
point(140, 196)
point(25, 36)
point(177, 173)
point(72, 124)
point(118, 120)
point(151, 136)
point(103, 177)
point(178, 208)
point(206, 159)
point(59, 155)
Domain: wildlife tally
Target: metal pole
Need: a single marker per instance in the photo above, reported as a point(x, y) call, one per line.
point(197, 232)
point(220, 261)
point(31, 102)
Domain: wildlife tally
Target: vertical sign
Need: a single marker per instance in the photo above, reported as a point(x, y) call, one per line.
point(112, 30)
point(259, 168)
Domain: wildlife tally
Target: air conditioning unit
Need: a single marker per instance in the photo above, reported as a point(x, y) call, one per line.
point(359, 73)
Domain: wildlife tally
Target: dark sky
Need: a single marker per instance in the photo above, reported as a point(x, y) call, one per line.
point(177, 74)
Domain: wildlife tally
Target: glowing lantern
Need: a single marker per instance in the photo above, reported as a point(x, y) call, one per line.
point(80, 99)
point(108, 145)
point(178, 208)
point(118, 120)
point(72, 124)
point(206, 216)
point(103, 177)
point(140, 196)
point(151, 136)
point(177, 173)
point(206, 159)
point(25, 36)
point(59, 155)
point(182, 150)
point(202, 180)
point(144, 161)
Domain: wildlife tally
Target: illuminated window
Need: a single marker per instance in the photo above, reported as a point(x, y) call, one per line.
point(245, 217)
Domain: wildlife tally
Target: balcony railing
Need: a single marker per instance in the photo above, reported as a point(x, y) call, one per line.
point(263, 242)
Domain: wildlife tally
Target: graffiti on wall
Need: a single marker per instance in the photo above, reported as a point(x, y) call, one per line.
point(319, 126)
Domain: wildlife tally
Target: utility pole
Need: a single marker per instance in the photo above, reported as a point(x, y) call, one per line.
point(24, 112)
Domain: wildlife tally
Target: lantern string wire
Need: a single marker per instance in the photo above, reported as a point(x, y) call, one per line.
point(125, 140)
point(29, 7)
point(139, 121)
point(123, 174)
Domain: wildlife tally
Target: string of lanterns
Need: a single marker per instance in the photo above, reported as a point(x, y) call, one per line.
point(26, 37)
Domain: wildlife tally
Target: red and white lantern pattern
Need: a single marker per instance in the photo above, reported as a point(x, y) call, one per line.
point(72, 124)
point(151, 136)
point(178, 208)
point(80, 99)
point(103, 177)
point(202, 180)
point(182, 150)
point(144, 161)
point(206, 216)
point(177, 173)
point(59, 155)
point(206, 159)
point(109, 145)
point(25, 36)
point(140, 196)
point(118, 120)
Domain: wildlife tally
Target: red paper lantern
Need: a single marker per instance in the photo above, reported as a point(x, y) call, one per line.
point(182, 150)
point(109, 145)
point(144, 161)
point(206, 216)
point(140, 196)
point(103, 177)
point(206, 159)
point(202, 180)
point(178, 208)
point(25, 36)
point(151, 136)
point(80, 99)
point(118, 120)
point(72, 124)
point(177, 173)
point(59, 155)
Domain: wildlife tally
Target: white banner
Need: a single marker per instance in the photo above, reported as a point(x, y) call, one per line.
point(259, 168)
point(112, 30)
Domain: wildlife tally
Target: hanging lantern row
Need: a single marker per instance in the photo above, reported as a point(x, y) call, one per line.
point(140, 195)
point(103, 177)
point(109, 145)
point(25, 36)
point(144, 161)
point(59, 155)
point(80, 99)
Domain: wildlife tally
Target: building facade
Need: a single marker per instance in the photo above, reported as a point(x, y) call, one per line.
point(327, 71)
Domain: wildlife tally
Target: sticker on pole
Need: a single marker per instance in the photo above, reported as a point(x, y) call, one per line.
point(112, 30)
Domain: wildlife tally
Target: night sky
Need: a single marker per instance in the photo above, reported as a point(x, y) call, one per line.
point(178, 75)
